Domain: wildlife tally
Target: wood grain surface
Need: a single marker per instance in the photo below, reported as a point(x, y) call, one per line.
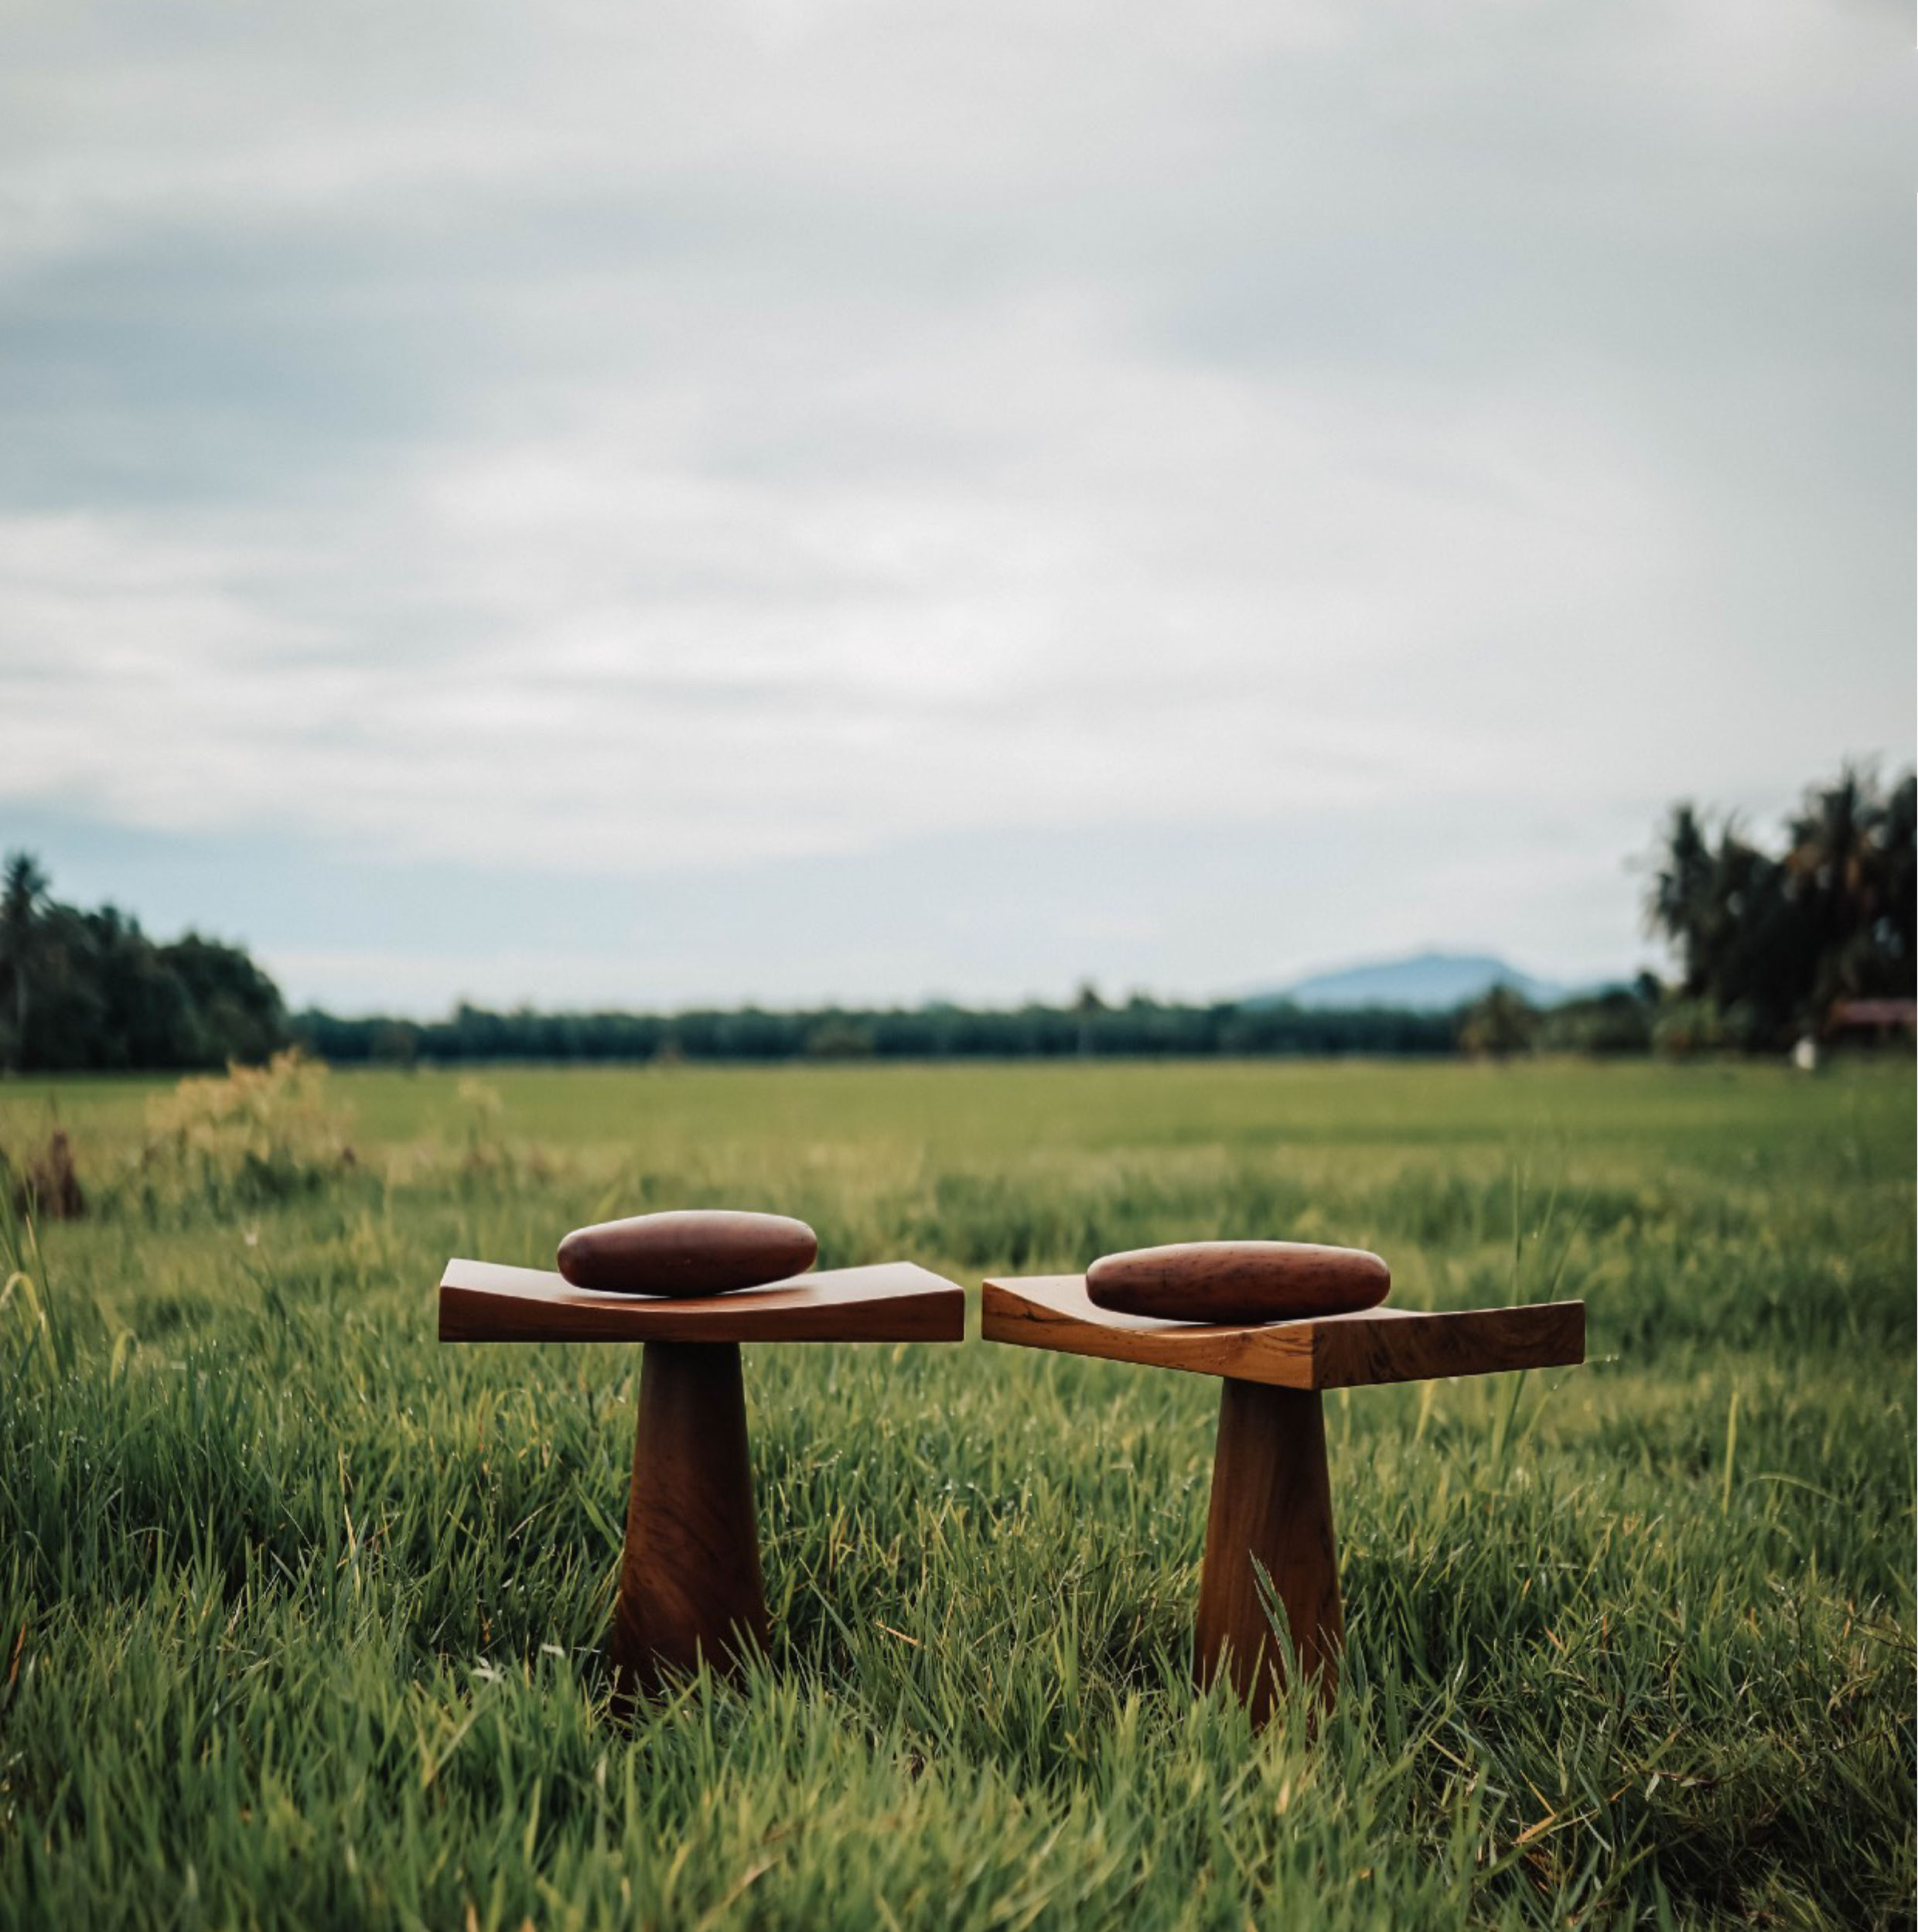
point(1329, 1351)
point(689, 1577)
point(891, 1302)
point(687, 1251)
point(1238, 1282)
point(1271, 1508)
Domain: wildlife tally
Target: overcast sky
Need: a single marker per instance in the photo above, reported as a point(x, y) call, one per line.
point(647, 504)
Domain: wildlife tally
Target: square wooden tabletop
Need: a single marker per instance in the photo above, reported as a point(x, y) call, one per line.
point(1373, 1345)
point(891, 1302)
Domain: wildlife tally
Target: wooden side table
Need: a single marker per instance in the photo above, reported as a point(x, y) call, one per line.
point(1271, 1493)
point(690, 1583)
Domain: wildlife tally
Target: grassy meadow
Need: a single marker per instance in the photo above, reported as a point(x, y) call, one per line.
point(301, 1615)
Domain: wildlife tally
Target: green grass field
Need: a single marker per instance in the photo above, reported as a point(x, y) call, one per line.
point(301, 1614)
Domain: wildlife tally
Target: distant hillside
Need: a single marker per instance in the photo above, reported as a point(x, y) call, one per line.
point(1427, 982)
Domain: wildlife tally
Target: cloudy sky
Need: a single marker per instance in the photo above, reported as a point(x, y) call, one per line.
point(652, 504)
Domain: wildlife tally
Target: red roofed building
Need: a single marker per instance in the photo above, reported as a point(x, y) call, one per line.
point(1877, 1019)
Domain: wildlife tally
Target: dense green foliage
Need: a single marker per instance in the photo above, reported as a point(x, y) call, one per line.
point(301, 1613)
point(1769, 941)
point(1142, 1029)
point(89, 992)
point(1620, 1019)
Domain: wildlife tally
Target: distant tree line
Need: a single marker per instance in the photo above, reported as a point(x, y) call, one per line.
point(89, 992)
point(1619, 1020)
point(1140, 1029)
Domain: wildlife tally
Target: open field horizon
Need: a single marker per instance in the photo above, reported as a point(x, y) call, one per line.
point(302, 1615)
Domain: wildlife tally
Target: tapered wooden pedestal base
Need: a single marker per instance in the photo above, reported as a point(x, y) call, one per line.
point(689, 1579)
point(1271, 1508)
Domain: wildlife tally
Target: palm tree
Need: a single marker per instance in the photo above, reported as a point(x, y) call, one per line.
point(1679, 905)
point(21, 898)
point(1834, 838)
point(1849, 864)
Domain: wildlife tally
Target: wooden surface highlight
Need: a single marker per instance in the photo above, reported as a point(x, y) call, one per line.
point(891, 1302)
point(1373, 1346)
point(689, 1577)
point(1238, 1282)
point(1272, 1508)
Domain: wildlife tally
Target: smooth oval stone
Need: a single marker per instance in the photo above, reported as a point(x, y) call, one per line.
point(687, 1251)
point(1238, 1282)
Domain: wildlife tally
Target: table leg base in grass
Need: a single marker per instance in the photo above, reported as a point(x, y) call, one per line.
point(690, 1585)
point(1269, 1541)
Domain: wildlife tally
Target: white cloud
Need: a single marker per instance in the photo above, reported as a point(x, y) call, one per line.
point(663, 666)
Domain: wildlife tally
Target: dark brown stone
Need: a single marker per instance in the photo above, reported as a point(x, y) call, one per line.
point(1238, 1282)
point(687, 1252)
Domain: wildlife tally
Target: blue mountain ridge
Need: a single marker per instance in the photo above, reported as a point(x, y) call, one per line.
point(1424, 982)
